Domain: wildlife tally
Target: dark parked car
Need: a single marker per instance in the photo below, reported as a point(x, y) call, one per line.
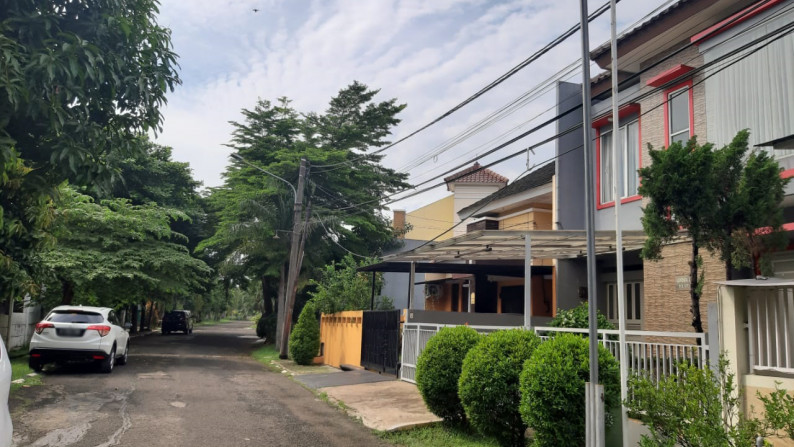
point(177, 320)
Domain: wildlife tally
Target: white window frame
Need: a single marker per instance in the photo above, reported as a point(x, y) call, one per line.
point(605, 194)
point(637, 306)
point(688, 130)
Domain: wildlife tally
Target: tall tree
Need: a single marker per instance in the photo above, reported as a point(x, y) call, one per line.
point(275, 136)
point(727, 203)
point(80, 80)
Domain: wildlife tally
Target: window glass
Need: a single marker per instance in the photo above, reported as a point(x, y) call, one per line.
point(629, 145)
point(638, 304)
point(633, 297)
point(631, 160)
point(606, 168)
point(678, 110)
point(67, 316)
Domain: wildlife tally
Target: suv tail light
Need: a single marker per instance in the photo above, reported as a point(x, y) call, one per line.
point(102, 329)
point(42, 325)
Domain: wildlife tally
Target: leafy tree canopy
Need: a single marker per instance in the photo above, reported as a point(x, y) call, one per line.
point(79, 81)
point(726, 200)
point(341, 287)
point(114, 253)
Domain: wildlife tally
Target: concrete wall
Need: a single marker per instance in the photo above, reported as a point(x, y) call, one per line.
point(22, 324)
point(467, 194)
point(734, 342)
point(430, 220)
point(570, 166)
point(340, 338)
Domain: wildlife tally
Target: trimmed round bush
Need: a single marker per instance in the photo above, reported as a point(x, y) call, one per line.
point(553, 388)
point(304, 341)
point(266, 327)
point(488, 385)
point(438, 371)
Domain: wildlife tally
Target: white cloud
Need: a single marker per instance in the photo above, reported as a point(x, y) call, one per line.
point(430, 55)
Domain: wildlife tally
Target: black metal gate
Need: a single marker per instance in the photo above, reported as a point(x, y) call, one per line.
point(380, 340)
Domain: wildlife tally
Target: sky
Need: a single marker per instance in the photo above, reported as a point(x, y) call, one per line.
point(429, 54)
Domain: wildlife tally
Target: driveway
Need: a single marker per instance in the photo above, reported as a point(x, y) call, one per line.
point(181, 390)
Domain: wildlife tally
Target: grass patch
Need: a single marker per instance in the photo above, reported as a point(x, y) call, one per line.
point(438, 435)
point(265, 354)
point(20, 370)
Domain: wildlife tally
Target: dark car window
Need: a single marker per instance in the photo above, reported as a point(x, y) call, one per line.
point(69, 316)
point(112, 318)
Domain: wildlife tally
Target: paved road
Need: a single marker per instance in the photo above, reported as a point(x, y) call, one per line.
point(181, 390)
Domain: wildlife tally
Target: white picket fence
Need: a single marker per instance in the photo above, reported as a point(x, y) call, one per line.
point(657, 354)
point(771, 329)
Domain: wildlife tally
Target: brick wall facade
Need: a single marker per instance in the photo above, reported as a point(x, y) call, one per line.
point(665, 307)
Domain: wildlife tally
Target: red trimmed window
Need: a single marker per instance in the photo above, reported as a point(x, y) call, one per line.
point(679, 116)
point(629, 144)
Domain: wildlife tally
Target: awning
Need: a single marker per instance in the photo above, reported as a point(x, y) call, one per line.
point(758, 282)
point(514, 270)
point(495, 245)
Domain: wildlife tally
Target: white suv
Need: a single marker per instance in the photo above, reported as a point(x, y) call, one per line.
point(79, 333)
point(5, 386)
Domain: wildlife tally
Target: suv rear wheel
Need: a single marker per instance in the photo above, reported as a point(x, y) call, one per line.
point(123, 358)
point(107, 365)
point(35, 365)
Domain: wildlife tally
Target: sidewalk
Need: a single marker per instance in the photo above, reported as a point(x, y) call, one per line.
point(381, 402)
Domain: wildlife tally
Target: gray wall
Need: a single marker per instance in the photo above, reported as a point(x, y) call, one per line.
point(570, 161)
point(395, 285)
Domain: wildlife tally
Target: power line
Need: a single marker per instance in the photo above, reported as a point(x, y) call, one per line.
point(779, 33)
point(482, 91)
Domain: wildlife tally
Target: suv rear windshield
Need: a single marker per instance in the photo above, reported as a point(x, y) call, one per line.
point(70, 316)
point(177, 315)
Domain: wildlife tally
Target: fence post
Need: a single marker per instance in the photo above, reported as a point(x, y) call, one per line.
point(713, 337)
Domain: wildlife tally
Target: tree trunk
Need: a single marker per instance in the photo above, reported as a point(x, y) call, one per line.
point(67, 295)
point(267, 300)
point(151, 316)
point(693, 289)
point(142, 315)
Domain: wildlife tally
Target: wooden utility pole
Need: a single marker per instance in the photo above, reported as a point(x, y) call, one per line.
point(294, 261)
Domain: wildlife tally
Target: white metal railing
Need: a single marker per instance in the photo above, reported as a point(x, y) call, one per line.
point(656, 354)
point(770, 321)
point(415, 338)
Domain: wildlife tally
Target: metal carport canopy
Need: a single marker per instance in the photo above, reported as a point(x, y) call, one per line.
point(510, 245)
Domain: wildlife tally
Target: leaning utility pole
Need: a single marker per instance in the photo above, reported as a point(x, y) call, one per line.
point(294, 261)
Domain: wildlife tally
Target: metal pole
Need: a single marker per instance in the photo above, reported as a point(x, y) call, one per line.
point(589, 210)
point(528, 281)
point(617, 162)
point(372, 298)
point(411, 280)
point(292, 275)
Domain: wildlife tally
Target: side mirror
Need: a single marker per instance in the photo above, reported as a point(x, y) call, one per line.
point(128, 326)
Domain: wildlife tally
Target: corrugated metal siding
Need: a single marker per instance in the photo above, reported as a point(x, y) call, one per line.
point(757, 92)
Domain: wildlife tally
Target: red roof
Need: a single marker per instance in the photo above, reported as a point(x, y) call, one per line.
point(476, 174)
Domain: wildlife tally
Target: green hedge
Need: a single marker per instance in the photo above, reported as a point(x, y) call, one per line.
point(489, 384)
point(304, 341)
point(266, 327)
point(553, 389)
point(578, 317)
point(438, 371)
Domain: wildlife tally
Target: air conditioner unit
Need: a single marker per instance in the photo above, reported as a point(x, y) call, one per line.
point(432, 290)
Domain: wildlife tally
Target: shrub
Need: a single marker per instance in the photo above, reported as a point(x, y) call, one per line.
point(304, 341)
point(266, 327)
point(488, 385)
point(578, 317)
point(688, 409)
point(438, 371)
point(553, 389)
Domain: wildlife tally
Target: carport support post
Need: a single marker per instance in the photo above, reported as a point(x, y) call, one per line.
point(372, 298)
point(528, 281)
point(411, 280)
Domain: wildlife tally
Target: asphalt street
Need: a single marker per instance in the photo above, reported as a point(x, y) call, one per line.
point(202, 389)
